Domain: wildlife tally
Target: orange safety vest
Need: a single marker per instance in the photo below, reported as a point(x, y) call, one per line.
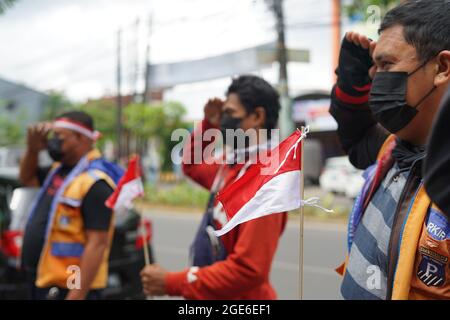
point(65, 235)
point(423, 269)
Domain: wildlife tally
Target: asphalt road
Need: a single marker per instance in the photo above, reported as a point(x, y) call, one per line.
point(324, 246)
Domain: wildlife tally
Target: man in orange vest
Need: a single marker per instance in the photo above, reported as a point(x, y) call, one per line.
point(69, 230)
point(385, 100)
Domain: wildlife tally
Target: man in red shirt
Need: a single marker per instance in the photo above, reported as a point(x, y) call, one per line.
point(236, 265)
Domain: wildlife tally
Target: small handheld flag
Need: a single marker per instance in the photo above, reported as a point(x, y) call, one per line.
point(267, 188)
point(129, 188)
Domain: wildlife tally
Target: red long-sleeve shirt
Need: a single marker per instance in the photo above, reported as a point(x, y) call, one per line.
point(251, 246)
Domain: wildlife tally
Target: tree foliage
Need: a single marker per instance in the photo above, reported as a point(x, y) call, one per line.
point(141, 122)
point(11, 132)
point(358, 8)
point(57, 103)
point(156, 121)
point(104, 114)
point(5, 4)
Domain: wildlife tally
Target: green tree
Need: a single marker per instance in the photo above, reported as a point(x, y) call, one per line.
point(104, 114)
point(57, 103)
point(5, 4)
point(11, 132)
point(158, 121)
point(141, 122)
point(174, 113)
point(12, 125)
point(358, 8)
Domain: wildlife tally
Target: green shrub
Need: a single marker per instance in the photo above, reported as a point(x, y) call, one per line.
point(183, 194)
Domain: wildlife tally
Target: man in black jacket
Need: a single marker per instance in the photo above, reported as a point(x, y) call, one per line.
point(437, 162)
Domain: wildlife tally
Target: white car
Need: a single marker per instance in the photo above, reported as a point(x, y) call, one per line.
point(340, 176)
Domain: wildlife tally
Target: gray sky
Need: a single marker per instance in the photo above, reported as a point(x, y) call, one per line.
point(69, 45)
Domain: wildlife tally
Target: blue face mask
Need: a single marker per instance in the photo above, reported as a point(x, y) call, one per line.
point(388, 99)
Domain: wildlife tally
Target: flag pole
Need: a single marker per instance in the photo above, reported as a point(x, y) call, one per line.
point(146, 251)
point(143, 226)
point(302, 196)
point(145, 247)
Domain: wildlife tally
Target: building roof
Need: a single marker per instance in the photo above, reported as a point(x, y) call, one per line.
point(10, 90)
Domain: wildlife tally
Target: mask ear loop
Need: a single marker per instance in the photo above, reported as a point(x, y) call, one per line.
point(418, 68)
point(425, 97)
point(429, 92)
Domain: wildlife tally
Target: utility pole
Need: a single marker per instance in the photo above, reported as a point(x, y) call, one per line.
point(119, 99)
point(286, 123)
point(136, 62)
point(336, 34)
point(146, 95)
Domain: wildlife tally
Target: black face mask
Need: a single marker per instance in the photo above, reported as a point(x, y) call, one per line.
point(388, 99)
point(231, 123)
point(54, 148)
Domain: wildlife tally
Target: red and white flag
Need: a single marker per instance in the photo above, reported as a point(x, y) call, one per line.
point(266, 188)
point(129, 188)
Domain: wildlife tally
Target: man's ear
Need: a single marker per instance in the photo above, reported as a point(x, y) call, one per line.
point(260, 116)
point(83, 139)
point(443, 62)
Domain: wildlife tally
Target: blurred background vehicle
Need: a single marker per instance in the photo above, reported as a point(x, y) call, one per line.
point(341, 177)
point(313, 161)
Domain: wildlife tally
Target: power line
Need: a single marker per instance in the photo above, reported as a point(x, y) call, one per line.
point(78, 65)
point(86, 60)
point(62, 54)
point(311, 25)
point(52, 56)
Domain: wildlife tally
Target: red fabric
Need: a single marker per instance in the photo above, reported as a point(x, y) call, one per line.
point(251, 247)
point(233, 200)
point(363, 88)
point(244, 274)
point(145, 233)
point(133, 172)
point(10, 243)
point(200, 173)
point(344, 97)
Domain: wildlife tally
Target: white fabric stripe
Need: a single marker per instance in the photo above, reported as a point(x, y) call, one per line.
point(358, 269)
point(280, 194)
point(373, 220)
point(70, 202)
point(293, 147)
point(72, 126)
point(431, 281)
point(128, 192)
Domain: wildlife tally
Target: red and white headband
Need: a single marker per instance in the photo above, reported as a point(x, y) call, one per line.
point(66, 123)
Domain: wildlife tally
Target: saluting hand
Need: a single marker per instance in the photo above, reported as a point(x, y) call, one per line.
point(37, 136)
point(213, 111)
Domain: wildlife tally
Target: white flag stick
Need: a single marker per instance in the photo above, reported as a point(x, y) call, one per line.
point(302, 196)
point(145, 247)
